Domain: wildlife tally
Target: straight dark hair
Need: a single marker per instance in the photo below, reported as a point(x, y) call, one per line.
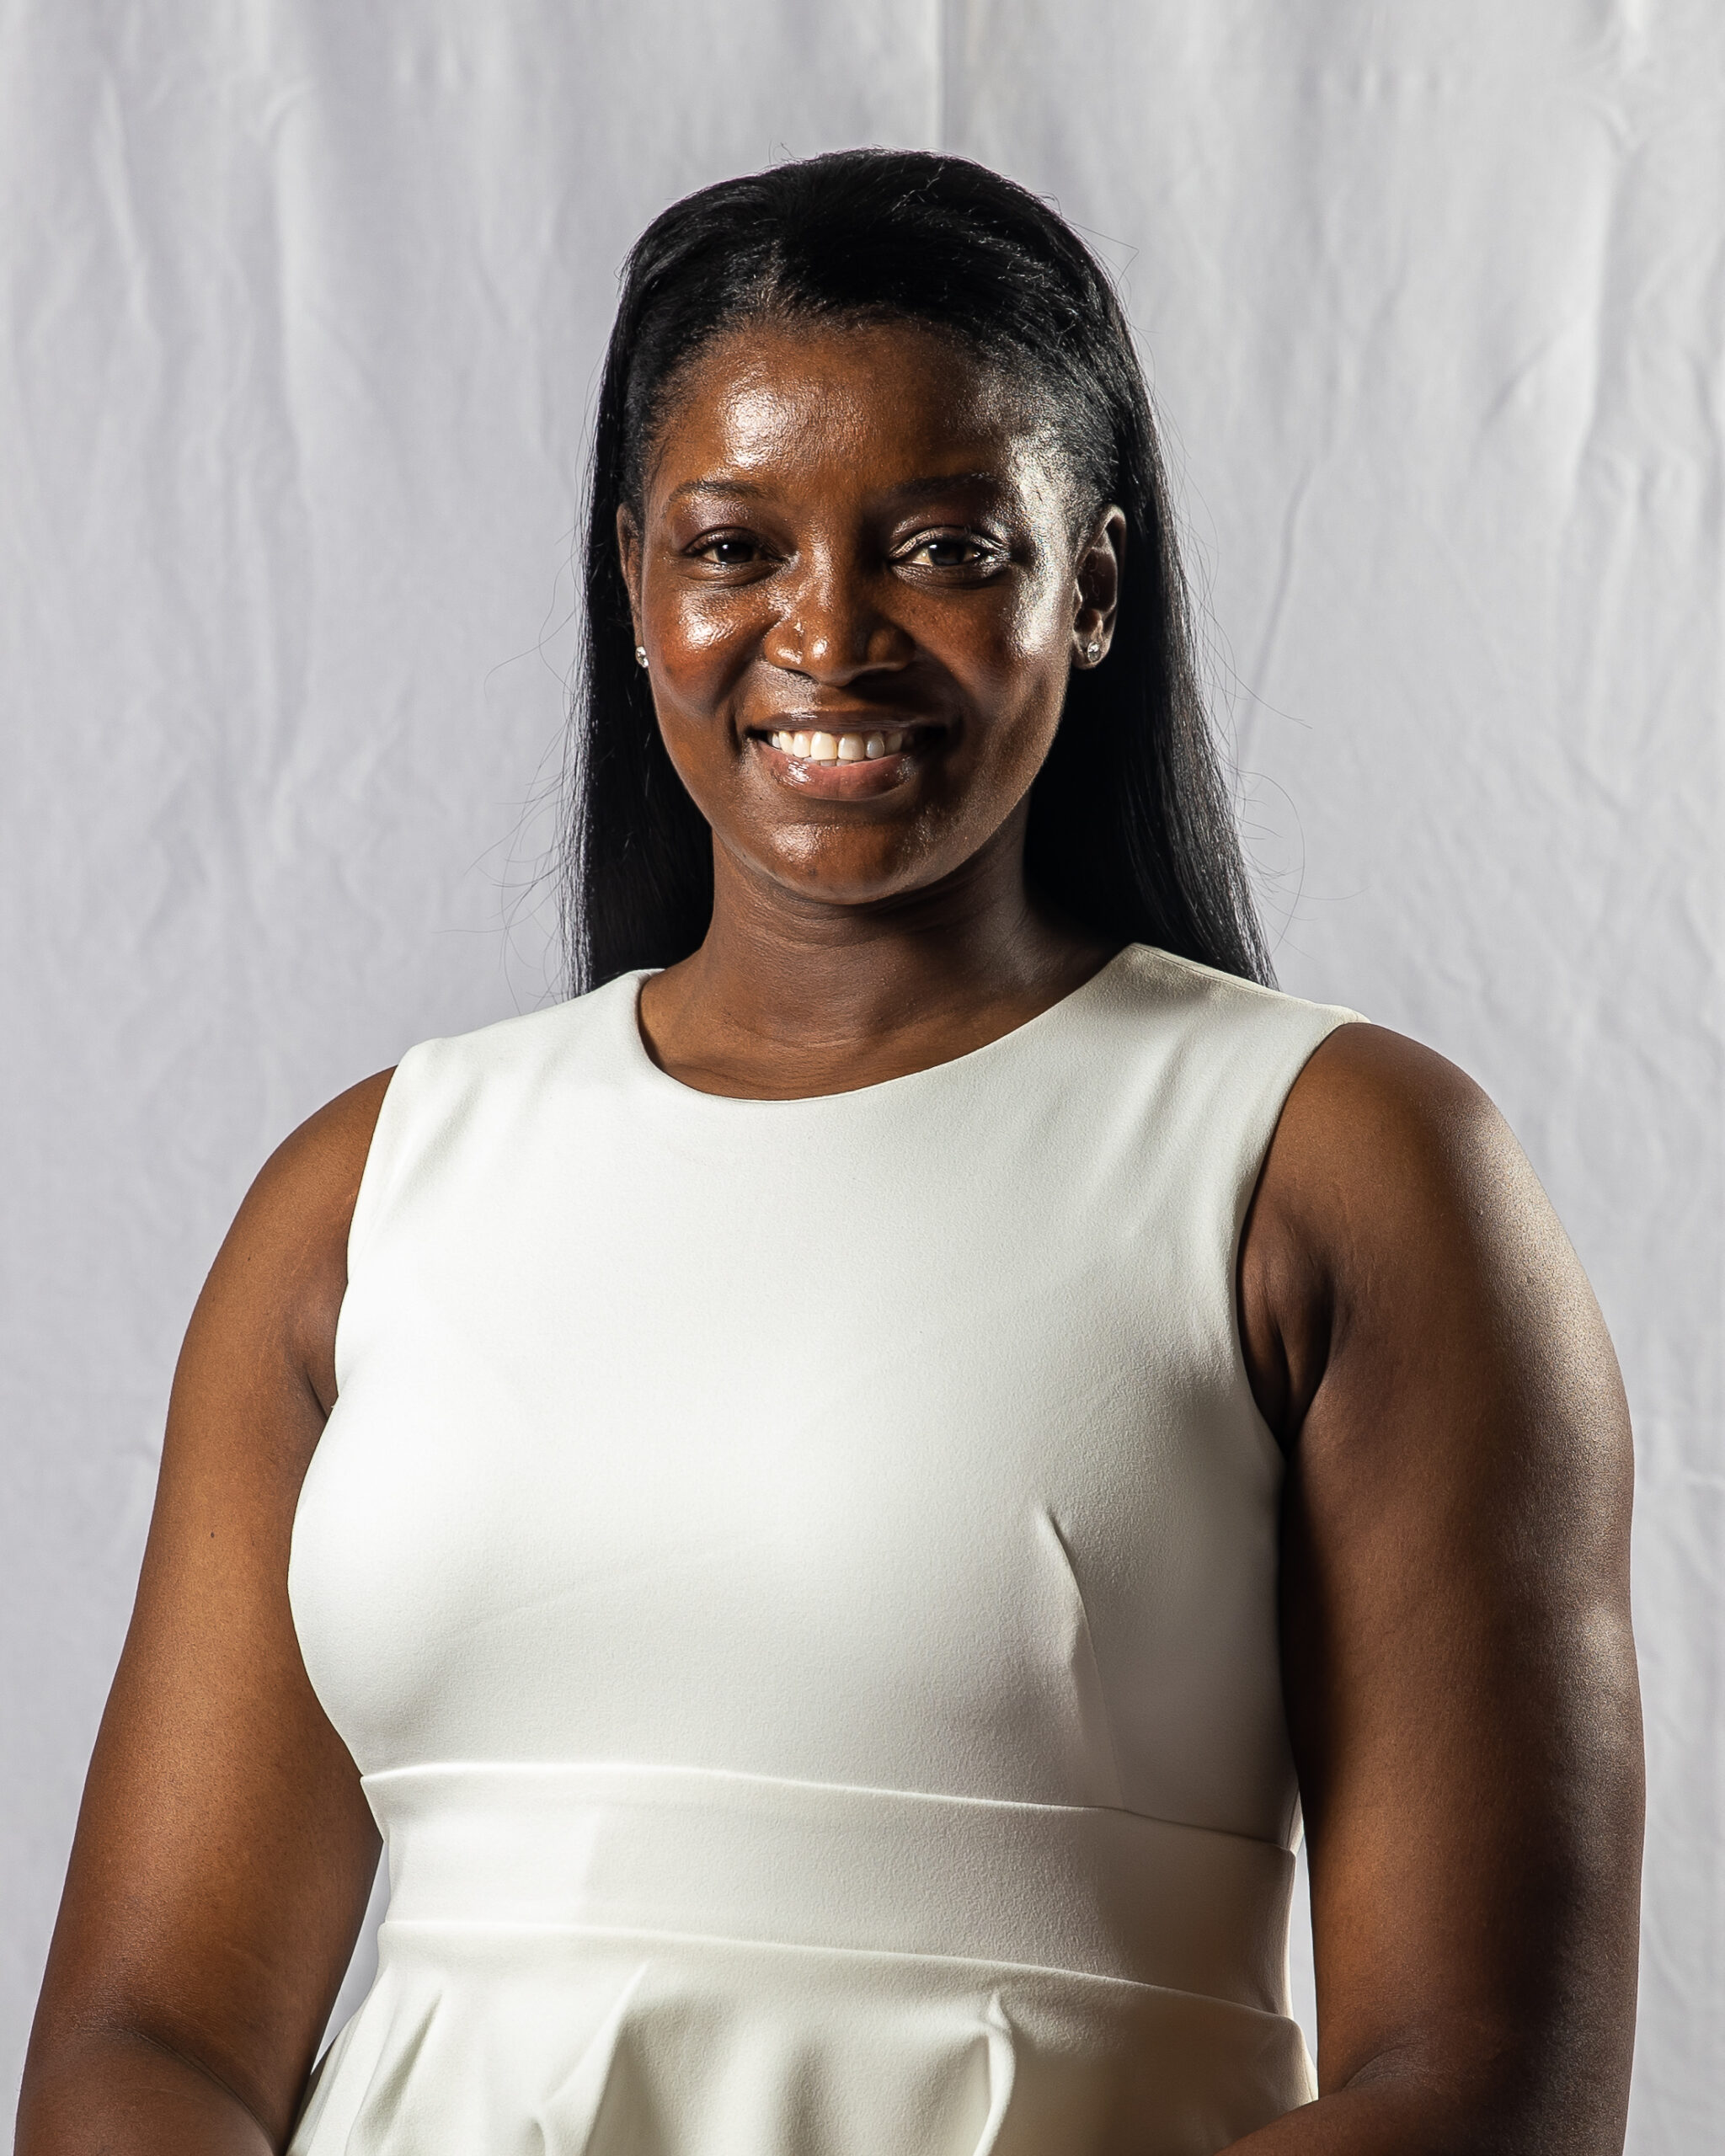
point(1131, 831)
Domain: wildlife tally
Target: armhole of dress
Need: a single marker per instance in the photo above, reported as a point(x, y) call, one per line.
point(1270, 1107)
point(382, 1156)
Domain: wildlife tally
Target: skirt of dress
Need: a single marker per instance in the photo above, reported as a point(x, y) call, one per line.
point(627, 1961)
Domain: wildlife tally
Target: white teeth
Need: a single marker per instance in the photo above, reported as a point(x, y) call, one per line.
point(839, 748)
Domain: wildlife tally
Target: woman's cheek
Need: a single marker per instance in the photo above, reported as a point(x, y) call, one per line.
point(998, 644)
point(702, 644)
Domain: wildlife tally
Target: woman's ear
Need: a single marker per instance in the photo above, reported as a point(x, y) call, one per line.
point(1097, 586)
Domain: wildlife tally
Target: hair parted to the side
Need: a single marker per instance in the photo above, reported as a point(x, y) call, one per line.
point(1131, 830)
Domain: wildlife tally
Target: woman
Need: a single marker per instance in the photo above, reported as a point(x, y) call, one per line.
point(874, 1442)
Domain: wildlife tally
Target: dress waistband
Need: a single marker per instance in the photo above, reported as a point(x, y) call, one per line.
point(693, 1852)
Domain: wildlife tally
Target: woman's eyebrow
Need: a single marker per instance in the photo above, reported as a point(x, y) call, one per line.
point(716, 484)
point(914, 490)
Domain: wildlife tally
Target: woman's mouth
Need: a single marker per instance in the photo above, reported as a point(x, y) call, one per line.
point(845, 763)
point(847, 748)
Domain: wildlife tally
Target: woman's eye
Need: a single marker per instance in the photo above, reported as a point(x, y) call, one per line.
point(730, 551)
point(949, 550)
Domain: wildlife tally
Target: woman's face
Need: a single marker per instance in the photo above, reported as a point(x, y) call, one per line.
point(857, 580)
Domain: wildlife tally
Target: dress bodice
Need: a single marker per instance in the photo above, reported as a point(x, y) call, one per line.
point(836, 1527)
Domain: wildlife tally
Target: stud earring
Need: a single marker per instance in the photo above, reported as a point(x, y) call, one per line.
point(1092, 651)
point(640, 654)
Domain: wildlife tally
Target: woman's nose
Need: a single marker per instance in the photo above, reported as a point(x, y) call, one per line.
point(834, 628)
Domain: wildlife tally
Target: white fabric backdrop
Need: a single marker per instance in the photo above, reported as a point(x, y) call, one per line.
point(302, 306)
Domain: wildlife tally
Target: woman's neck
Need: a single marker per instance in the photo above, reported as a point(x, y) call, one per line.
point(789, 996)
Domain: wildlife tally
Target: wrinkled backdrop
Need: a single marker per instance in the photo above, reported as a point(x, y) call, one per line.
point(302, 307)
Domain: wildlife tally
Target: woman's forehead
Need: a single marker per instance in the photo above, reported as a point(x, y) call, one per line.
point(774, 397)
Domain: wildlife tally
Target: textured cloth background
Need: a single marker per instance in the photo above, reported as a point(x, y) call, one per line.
point(302, 309)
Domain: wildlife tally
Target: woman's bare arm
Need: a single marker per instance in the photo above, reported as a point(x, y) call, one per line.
point(224, 1850)
point(1459, 1672)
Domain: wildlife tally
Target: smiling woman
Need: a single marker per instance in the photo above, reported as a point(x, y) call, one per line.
point(880, 544)
point(971, 320)
point(877, 1460)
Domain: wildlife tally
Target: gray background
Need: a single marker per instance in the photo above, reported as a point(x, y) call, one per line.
point(302, 309)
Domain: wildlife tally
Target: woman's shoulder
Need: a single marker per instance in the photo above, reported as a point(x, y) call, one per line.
point(562, 1036)
point(1387, 1151)
point(1395, 1207)
point(1158, 986)
point(1371, 1104)
point(310, 1182)
point(289, 1245)
point(281, 1271)
point(1377, 1135)
point(1210, 1050)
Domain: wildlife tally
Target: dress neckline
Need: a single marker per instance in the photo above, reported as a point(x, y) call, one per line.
point(650, 1075)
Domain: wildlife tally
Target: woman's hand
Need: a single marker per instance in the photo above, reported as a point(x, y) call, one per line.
point(1460, 1674)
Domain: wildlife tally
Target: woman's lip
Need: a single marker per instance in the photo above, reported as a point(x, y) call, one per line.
point(861, 781)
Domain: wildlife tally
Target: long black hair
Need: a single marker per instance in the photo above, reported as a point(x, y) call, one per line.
point(1131, 831)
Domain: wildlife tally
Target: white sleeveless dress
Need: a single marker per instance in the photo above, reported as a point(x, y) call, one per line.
point(799, 1579)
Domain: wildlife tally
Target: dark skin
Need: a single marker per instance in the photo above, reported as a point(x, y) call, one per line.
point(864, 531)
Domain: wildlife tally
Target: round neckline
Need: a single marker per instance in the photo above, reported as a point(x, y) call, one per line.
point(653, 1074)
